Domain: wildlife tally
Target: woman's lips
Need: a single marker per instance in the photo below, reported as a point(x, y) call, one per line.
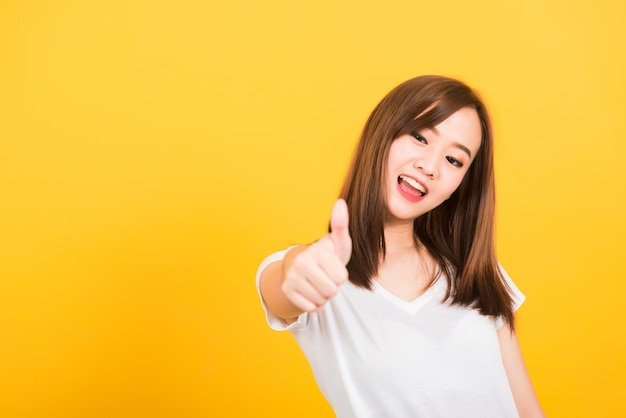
point(410, 188)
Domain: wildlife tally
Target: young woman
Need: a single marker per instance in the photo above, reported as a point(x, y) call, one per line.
point(402, 309)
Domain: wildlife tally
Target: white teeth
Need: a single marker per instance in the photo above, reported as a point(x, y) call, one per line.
point(413, 183)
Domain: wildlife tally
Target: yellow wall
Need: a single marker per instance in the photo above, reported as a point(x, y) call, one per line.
point(153, 152)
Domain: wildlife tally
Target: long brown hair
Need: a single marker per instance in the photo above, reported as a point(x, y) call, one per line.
point(459, 233)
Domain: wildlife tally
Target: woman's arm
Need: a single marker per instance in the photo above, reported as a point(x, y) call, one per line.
point(270, 284)
point(525, 398)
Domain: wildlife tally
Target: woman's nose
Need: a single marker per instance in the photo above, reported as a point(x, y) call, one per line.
point(427, 165)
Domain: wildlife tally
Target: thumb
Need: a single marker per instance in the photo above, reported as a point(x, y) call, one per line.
point(339, 233)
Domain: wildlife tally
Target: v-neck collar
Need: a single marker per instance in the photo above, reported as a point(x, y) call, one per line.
point(411, 306)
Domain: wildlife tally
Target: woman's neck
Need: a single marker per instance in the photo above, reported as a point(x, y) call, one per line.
point(405, 270)
point(399, 238)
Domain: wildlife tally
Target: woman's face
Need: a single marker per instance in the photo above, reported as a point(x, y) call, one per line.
point(424, 168)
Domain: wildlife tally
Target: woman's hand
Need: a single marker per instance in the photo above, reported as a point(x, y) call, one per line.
point(314, 275)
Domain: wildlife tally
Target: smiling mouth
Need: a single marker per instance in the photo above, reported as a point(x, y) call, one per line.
point(412, 186)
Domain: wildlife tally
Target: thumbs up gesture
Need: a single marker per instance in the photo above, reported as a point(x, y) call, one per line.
point(340, 235)
point(315, 274)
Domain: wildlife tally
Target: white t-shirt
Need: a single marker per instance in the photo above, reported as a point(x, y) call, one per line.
point(376, 355)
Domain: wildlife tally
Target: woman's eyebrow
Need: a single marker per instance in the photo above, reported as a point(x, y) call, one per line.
point(463, 148)
point(456, 144)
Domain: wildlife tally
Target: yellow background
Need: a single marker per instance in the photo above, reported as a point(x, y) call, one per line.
point(153, 152)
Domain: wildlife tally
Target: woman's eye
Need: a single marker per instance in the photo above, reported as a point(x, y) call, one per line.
point(419, 137)
point(454, 162)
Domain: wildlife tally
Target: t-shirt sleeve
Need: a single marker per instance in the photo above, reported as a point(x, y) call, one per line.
point(273, 321)
point(516, 294)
